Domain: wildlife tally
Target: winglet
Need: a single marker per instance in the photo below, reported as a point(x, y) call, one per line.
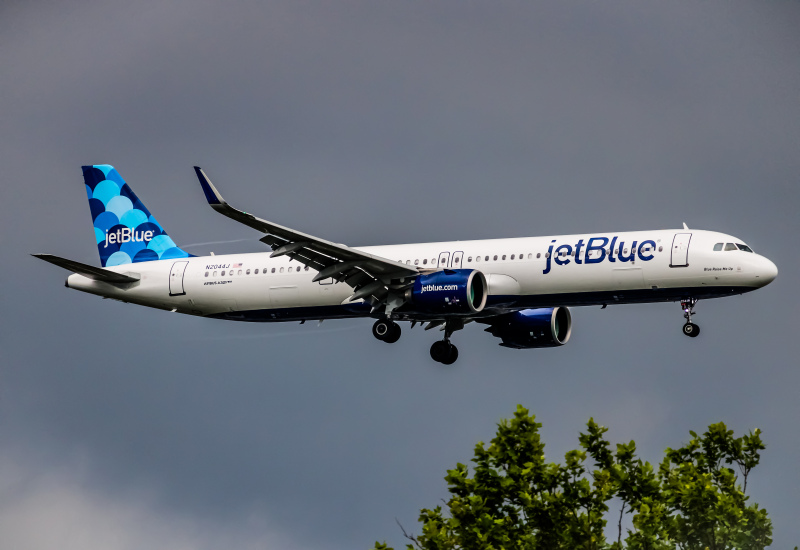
point(212, 195)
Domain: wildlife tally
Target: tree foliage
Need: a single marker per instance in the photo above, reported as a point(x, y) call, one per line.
point(515, 499)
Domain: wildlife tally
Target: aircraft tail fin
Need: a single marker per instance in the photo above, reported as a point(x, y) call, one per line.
point(124, 229)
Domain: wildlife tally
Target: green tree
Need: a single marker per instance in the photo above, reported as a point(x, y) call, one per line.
point(514, 499)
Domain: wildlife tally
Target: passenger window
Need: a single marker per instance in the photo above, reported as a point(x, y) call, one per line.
point(305, 268)
point(469, 259)
point(416, 262)
point(215, 274)
point(546, 254)
point(486, 258)
point(240, 272)
point(425, 261)
point(495, 257)
point(222, 273)
point(477, 258)
point(512, 256)
point(248, 272)
point(730, 246)
point(458, 260)
point(281, 270)
point(255, 272)
point(717, 247)
point(744, 247)
point(273, 270)
point(504, 257)
point(538, 255)
point(206, 273)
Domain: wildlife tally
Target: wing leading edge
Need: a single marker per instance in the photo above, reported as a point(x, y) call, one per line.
point(372, 277)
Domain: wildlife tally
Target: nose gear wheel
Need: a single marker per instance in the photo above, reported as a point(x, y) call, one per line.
point(689, 329)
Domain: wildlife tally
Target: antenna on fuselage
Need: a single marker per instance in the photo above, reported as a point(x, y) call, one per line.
point(685, 226)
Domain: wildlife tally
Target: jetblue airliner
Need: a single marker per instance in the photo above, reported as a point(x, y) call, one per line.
point(519, 288)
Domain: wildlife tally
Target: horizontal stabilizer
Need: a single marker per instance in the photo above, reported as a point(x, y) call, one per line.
point(90, 271)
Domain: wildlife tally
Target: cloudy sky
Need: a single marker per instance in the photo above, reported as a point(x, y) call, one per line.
point(375, 123)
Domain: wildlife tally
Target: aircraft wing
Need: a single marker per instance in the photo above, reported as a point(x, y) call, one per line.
point(369, 275)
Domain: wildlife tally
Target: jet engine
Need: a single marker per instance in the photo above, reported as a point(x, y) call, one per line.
point(533, 328)
point(452, 291)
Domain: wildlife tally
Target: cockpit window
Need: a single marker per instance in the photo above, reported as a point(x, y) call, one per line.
point(730, 246)
point(718, 247)
point(744, 247)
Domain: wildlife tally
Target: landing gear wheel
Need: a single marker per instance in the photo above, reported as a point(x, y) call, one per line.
point(452, 357)
point(444, 352)
point(386, 331)
point(381, 329)
point(394, 334)
point(690, 329)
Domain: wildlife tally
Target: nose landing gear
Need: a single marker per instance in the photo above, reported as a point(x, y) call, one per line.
point(386, 330)
point(689, 329)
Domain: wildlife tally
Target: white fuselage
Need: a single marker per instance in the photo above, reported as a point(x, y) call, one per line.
point(521, 273)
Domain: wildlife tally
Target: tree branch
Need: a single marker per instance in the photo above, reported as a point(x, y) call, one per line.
point(412, 538)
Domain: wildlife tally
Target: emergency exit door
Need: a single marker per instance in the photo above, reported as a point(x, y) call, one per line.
point(176, 278)
point(680, 250)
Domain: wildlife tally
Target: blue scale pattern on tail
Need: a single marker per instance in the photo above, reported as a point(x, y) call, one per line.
point(124, 229)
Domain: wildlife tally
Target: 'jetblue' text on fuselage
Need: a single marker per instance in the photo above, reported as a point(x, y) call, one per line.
point(614, 250)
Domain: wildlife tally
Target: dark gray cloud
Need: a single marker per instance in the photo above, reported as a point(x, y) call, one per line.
point(373, 123)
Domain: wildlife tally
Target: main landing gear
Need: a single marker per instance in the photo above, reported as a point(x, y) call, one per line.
point(386, 330)
point(689, 329)
point(444, 351)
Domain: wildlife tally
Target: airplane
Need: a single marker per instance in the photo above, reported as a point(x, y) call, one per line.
point(520, 288)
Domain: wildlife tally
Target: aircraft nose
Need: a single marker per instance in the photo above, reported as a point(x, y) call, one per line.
point(767, 271)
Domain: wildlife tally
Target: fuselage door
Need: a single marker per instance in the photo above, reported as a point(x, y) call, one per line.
point(444, 258)
point(458, 259)
point(176, 279)
point(680, 250)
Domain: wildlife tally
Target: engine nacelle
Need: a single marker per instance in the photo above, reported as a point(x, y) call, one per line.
point(533, 328)
point(451, 291)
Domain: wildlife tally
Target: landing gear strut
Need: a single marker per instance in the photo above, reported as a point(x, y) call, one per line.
point(386, 330)
point(444, 351)
point(689, 329)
